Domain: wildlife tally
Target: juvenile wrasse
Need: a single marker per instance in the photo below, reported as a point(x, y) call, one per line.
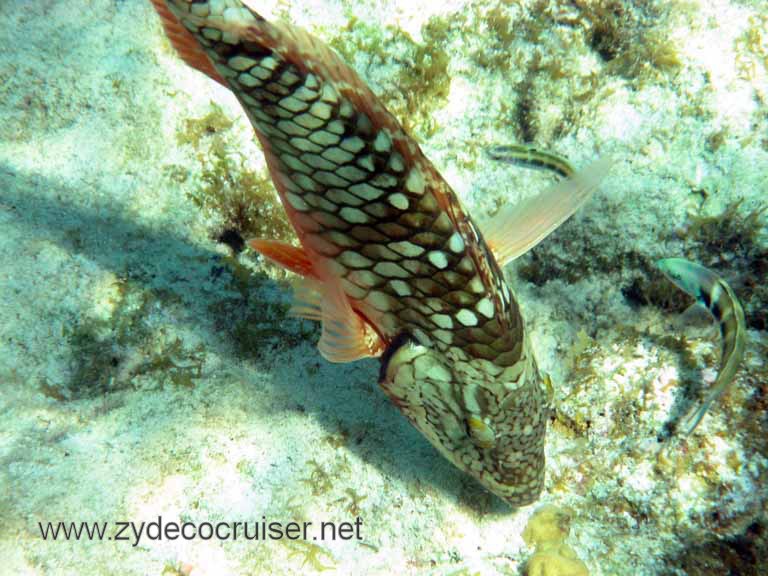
point(528, 156)
point(393, 266)
point(718, 297)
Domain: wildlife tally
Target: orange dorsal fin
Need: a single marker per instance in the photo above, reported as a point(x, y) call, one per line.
point(290, 257)
point(185, 44)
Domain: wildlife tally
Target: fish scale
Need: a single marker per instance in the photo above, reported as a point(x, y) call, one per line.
point(368, 205)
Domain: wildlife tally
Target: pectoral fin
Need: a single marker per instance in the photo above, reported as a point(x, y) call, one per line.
point(318, 296)
point(346, 336)
point(290, 257)
point(514, 230)
point(696, 316)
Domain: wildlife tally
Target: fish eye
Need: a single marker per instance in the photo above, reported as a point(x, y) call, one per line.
point(480, 433)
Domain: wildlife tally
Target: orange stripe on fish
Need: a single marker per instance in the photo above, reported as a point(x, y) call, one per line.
point(392, 264)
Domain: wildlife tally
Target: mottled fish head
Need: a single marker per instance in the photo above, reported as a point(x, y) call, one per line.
point(487, 423)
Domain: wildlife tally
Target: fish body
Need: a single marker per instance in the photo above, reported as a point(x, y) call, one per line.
point(530, 157)
point(711, 291)
point(393, 266)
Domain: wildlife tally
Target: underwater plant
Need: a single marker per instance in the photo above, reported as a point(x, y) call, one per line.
point(241, 200)
point(735, 244)
point(422, 82)
point(114, 353)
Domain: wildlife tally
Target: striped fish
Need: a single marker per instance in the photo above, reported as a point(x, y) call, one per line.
point(392, 265)
point(713, 292)
point(530, 157)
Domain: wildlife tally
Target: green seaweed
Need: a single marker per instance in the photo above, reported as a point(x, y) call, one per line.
point(321, 481)
point(650, 288)
point(716, 139)
point(261, 330)
point(752, 48)
point(109, 354)
point(244, 202)
point(182, 366)
point(242, 278)
point(525, 118)
point(743, 550)
point(629, 37)
point(573, 253)
point(312, 554)
point(632, 39)
point(174, 569)
point(51, 391)
point(733, 244)
point(254, 322)
point(353, 500)
point(730, 231)
point(421, 83)
point(98, 345)
point(500, 33)
point(318, 480)
point(337, 440)
point(196, 129)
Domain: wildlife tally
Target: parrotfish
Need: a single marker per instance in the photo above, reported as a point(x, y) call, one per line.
point(392, 265)
point(711, 291)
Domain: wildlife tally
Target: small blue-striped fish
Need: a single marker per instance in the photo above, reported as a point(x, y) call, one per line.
point(713, 292)
point(392, 264)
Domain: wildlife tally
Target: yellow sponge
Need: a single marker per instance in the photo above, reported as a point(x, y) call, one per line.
point(546, 532)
